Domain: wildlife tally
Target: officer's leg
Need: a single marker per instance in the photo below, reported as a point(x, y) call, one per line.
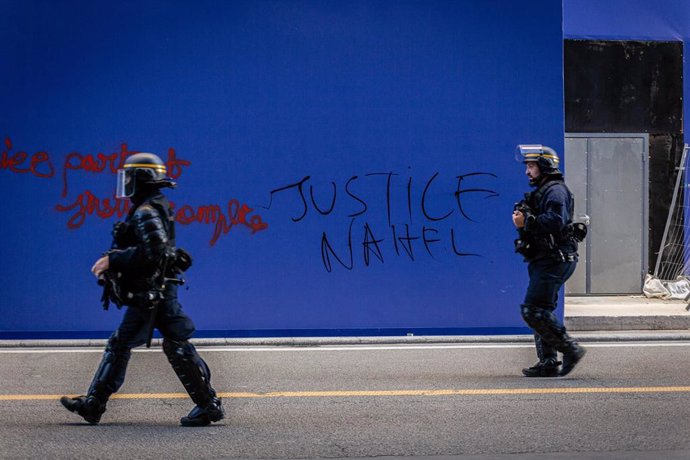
point(544, 350)
point(111, 371)
point(547, 365)
point(537, 311)
point(196, 379)
point(190, 368)
point(553, 332)
point(575, 354)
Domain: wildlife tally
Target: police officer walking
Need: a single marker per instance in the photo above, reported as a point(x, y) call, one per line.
point(141, 270)
point(548, 242)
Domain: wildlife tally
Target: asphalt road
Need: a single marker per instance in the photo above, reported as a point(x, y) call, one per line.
point(625, 400)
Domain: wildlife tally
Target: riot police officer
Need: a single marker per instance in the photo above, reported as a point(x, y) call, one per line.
point(143, 265)
point(548, 242)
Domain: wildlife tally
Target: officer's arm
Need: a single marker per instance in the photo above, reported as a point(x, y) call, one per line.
point(555, 215)
point(152, 237)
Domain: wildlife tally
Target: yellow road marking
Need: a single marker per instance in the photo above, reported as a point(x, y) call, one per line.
point(355, 393)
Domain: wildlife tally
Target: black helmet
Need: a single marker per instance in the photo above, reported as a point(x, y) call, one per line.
point(141, 171)
point(544, 156)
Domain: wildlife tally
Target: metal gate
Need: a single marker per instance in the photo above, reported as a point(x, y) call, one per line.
point(608, 174)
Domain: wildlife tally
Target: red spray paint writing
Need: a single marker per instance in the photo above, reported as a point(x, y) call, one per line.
point(88, 204)
point(39, 164)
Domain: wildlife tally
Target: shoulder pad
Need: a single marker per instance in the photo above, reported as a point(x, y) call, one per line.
point(146, 212)
point(150, 229)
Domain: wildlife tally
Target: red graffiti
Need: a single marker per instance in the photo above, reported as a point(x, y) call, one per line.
point(39, 164)
point(99, 162)
point(213, 214)
point(87, 204)
point(174, 165)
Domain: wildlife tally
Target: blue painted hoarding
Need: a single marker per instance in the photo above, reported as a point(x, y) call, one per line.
point(343, 167)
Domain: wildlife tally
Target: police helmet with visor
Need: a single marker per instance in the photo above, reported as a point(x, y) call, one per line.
point(545, 157)
point(140, 172)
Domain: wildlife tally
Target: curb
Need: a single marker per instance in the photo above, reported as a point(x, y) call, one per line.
point(582, 336)
point(628, 323)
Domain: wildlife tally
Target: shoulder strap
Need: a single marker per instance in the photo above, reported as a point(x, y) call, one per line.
point(539, 193)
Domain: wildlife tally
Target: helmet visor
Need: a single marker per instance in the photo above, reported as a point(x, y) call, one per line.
point(528, 152)
point(125, 184)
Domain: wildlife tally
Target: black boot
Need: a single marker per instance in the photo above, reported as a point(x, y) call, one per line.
point(107, 380)
point(87, 406)
point(547, 368)
point(571, 358)
point(196, 379)
point(202, 416)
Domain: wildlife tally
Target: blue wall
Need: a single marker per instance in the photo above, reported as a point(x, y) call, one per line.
point(374, 107)
point(626, 19)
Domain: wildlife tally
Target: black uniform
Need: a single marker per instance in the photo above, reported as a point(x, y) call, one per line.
point(549, 247)
point(140, 243)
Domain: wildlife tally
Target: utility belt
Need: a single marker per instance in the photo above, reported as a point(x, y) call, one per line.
point(533, 247)
point(114, 293)
point(144, 300)
point(150, 294)
point(563, 257)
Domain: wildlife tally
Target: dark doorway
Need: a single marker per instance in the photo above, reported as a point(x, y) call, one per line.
point(631, 87)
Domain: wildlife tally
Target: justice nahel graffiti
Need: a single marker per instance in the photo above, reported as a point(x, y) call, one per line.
point(412, 221)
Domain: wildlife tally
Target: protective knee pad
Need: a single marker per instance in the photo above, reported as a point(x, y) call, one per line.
point(191, 370)
point(110, 374)
point(545, 323)
point(532, 315)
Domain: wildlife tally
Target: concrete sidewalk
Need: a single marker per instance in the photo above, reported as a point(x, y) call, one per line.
point(625, 313)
